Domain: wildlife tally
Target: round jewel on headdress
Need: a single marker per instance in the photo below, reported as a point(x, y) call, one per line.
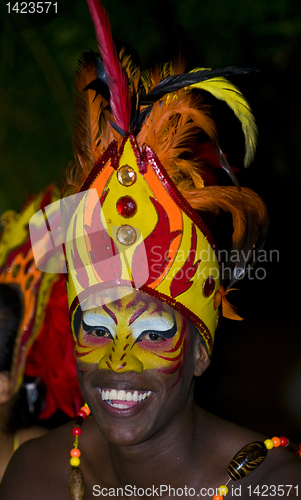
point(126, 235)
point(126, 206)
point(126, 176)
point(209, 286)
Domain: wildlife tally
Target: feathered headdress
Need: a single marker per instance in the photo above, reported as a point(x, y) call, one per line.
point(144, 143)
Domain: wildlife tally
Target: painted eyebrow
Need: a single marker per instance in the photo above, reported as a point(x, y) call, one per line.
point(110, 313)
point(138, 313)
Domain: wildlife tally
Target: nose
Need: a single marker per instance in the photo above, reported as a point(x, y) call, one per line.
point(120, 359)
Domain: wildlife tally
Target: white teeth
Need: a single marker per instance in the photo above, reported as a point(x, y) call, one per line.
point(109, 395)
point(120, 406)
point(113, 394)
point(121, 396)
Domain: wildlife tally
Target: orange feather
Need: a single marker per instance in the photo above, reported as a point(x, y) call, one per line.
point(172, 127)
point(249, 218)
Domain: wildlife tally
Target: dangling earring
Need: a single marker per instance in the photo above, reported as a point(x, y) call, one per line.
point(76, 479)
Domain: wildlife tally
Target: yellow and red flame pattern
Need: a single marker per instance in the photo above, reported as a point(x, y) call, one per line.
point(125, 351)
point(18, 268)
point(138, 231)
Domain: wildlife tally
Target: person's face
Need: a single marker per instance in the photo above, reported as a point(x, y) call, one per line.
point(136, 360)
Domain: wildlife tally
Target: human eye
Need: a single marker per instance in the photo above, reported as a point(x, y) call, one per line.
point(150, 336)
point(97, 331)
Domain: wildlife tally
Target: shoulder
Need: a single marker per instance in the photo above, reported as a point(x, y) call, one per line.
point(284, 467)
point(275, 472)
point(31, 433)
point(39, 466)
point(279, 465)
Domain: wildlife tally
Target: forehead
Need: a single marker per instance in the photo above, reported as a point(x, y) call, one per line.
point(132, 304)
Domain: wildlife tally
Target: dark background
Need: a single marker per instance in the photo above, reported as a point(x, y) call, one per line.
point(255, 375)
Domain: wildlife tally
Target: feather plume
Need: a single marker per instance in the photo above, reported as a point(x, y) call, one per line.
point(249, 219)
point(212, 81)
point(171, 129)
point(92, 132)
point(88, 110)
point(173, 83)
point(224, 90)
point(116, 76)
point(133, 72)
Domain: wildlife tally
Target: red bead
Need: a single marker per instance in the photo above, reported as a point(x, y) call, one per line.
point(217, 496)
point(283, 441)
point(209, 286)
point(126, 206)
point(81, 413)
point(76, 431)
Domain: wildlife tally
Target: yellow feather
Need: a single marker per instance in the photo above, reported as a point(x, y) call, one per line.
point(224, 90)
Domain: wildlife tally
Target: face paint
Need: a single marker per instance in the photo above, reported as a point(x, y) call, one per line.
point(133, 334)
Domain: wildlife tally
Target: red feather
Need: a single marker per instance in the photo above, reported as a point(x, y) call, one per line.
point(116, 77)
point(51, 357)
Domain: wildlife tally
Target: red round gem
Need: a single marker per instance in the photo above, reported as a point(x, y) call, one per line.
point(209, 286)
point(283, 441)
point(126, 206)
point(76, 431)
point(81, 413)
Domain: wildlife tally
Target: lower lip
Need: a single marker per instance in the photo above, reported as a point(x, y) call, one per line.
point(132, 408)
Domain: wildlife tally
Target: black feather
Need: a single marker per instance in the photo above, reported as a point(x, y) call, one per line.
point(178, 82)
point(100, 89)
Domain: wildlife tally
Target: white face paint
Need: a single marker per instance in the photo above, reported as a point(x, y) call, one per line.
point(97, 320)
point(153, 322)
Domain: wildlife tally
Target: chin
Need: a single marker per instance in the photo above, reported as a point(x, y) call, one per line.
point(126, 431)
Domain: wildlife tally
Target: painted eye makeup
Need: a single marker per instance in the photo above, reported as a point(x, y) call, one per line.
point(152, 336)
point(96, 331)
point(157, 336)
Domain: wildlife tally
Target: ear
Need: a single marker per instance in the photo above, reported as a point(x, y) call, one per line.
point(6, 393)
point(202, 358)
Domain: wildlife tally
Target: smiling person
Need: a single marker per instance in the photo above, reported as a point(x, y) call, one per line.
point(145, 294)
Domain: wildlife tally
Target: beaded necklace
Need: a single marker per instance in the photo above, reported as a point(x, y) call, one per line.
point(244, 462)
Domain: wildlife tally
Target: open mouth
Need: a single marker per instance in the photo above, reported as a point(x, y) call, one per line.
point(123, 399)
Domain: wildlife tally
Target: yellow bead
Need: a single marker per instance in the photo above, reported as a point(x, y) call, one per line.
point(74, 461)
point(223, 490)
point(269, 444)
